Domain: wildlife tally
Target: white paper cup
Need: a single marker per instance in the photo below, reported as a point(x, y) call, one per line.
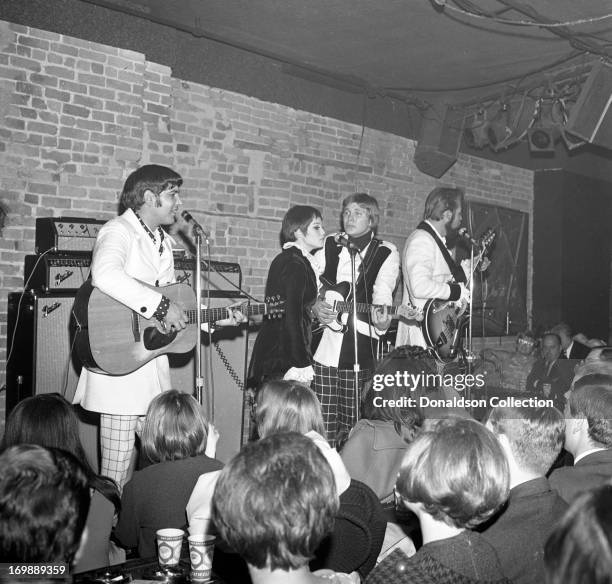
point(169, 543)
point(201, 549)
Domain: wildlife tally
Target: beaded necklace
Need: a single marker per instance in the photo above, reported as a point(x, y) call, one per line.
point(152, 235)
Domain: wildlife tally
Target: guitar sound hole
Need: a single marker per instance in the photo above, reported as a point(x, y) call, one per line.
point(154, 339)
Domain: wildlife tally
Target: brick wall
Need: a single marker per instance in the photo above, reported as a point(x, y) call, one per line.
point(77, 117)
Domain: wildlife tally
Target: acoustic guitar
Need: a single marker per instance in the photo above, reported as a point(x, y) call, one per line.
point(339, 297)
point(444, 320)
point(111, 338)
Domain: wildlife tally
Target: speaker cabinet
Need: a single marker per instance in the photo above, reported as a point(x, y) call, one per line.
point(41, 359)
point(223, 369)
point(439, 141)
point(591, 118)
point(38, 341)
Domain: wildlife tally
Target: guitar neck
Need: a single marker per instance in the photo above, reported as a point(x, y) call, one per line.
point(212, 315)
point(363, 307)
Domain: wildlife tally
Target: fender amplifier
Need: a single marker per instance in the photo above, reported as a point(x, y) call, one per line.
point(56, 271)
point(66, 233)
point(224, 276)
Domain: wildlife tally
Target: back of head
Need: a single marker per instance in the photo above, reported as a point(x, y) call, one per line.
point(591, 398)
point(287, 406)
point(597, 362)
point(535, 435)
point(442, 199)
point(457, 471)
point(401, 374)
point(46, 419)
point(275, 501)
point(174, 427)
point(579, 550)
point(150, 177)
point(49, 420)
point(44, 501)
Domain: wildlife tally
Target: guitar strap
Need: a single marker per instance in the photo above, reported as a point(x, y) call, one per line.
point(456, 270)
point(366, 263)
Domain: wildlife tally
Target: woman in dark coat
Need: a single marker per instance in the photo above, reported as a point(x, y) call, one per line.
point(282, 348)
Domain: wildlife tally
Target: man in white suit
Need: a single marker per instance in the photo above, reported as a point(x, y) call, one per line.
point(426, 272)
point(130, 249)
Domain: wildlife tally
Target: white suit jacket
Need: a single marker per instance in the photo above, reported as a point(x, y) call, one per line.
point(426, 275)
point(123, 254)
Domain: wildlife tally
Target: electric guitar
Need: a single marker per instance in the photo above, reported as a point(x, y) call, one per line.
point(336, 295)
point(112, 338)
point(444, 320)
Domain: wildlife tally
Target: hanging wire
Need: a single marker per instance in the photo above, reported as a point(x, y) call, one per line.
point(481, 15)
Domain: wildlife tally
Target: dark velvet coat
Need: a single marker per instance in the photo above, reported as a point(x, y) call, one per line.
point(284, 342)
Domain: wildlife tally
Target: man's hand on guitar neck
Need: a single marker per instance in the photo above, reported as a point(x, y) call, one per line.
point(380, 318)
point(323, 312)
point(234, 316)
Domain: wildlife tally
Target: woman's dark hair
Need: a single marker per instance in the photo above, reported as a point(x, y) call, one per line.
point(49, 420)
point(297, 217)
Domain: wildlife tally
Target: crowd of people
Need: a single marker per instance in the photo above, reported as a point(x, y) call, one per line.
point(344, 480)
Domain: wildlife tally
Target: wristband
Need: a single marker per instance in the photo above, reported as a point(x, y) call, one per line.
point(162, 308)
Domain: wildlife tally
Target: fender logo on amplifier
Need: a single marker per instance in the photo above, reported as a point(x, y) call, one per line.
point(56, 271)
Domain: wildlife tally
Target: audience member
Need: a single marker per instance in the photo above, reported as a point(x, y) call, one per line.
point(571, 348)
point(286, 406)
point(550, 377)
point(531, 439)
point(376, 445)
point(591, 343)
point(274, 503)
point(174, 438)
point(49, 420)
point(454, 478)
point(598, 361)
point(359, 529)
point(508, 370)
point(44, 501)
point(588, 437)
point(579, 551)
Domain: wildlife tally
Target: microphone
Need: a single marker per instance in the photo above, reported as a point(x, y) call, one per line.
point(188, 217)
point(464, 234)
point(343, 240)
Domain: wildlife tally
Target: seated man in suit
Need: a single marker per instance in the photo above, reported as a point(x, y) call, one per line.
point(531, 439)
point(588, 437)
point(550, 376)
point(571, 348)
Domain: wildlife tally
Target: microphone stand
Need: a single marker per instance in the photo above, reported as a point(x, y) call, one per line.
point(353, 251)
point(199, 378)
point(469, 357)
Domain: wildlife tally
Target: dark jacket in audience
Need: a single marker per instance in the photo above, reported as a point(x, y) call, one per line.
point(156, 498)
point(466, 558)
point(520, 531)
point(358, 534)
point(591, 471)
